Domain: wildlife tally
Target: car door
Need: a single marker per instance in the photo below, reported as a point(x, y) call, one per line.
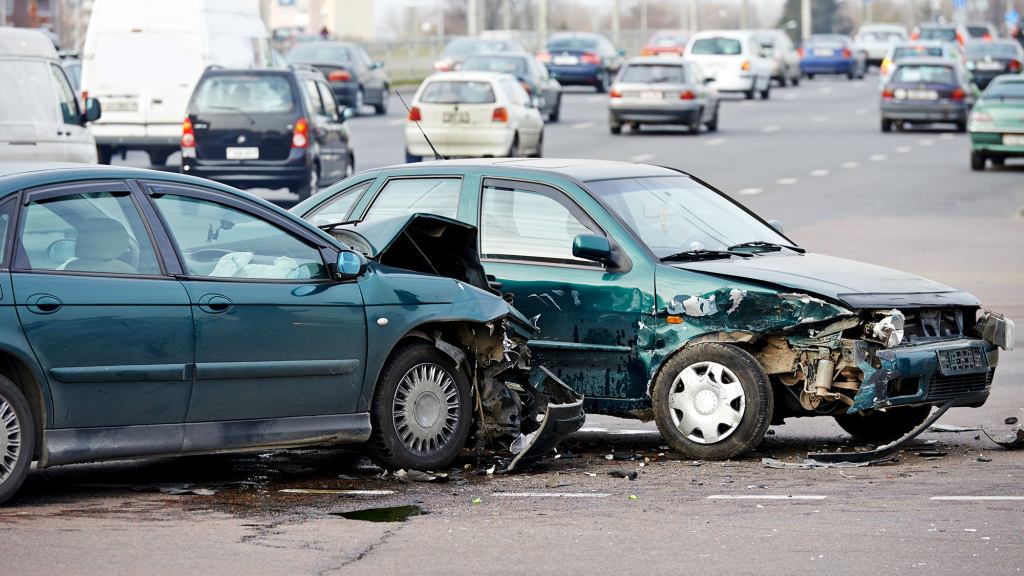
point(530, 121)
point(275, 335)
point(78, 143)
point(327, 132)
point(374, 83)
point(111, 329)
point(335, 123)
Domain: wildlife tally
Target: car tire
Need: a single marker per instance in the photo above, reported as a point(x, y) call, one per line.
point(311, 185)
point(749, 94)
point(732, 390)
point(513, 149)
point(360, 101)
point(713, 123)
point(886, 125)
point(796, 80)
point(104, 154)
point(615, 128)
point(437, 392)
point(998, 161)
point(556, 112)
point(539, 152)
point(603, 82)
point(17, 439)
point(350, 166)
point(158, 158)
point(410, 158)
point(977, 161)
point(883, 427)
point(695, 123)
point(782, 81)
point(810, 76)
point(382, 107)
point(767, 92)
point(961, 127)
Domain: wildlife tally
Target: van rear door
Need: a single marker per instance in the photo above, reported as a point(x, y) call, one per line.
point(244, 117)
point(29, 127)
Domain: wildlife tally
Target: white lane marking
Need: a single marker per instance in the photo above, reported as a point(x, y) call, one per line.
point(821, 172)
point(597, 98)
point(747, 103)
point(860, 111)
point(904, 149)
point(849, 165)
point(338, 492)
point(552, 494)
point(582, 125)
point(946, 136)
point(877, 157)
point(766, 497)
point(973, 498)
point(925, 142)
point(750, 191)
point(790, 96)
point(771, 128)
point(819, 119)
point(825, 90)
point(715, 142)
point(787, 181)
point(641, 158)
point(396, 122)
point(592, 429)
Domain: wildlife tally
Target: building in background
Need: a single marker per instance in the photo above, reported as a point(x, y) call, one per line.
point(344, 19)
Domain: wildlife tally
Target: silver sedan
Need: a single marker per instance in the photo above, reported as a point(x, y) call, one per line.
point(662, 90)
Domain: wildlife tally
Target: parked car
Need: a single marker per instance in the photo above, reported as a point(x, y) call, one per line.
point(927, 90)
point(666, 42)
point(472, 114)
point(156, 314)
point(916, 49)
point(533, 76)
point(356, 79)
point(997, 122)
point(779, 50)
point(41, 117)
point(732, 58)
point(654, 90)
point(832, 54)
point(986, 60)
point(577, 58)
point(875, 40)
point(143, 64)
point(462, 46)
point(982, 31)
point(267, 128)
point(955, 33)
point(660, 297)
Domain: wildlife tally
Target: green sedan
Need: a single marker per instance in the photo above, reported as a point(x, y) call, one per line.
point(997, 122)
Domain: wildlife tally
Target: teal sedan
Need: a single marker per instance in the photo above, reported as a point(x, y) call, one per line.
point(996, 124)
point(658, 297)
point(153, 314)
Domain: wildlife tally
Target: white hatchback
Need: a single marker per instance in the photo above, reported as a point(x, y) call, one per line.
point(733, 58)
point(473, 115)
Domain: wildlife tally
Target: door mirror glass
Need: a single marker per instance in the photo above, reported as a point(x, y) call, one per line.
point(93, 110)
point(592, 247)
point(378, 64)
point(622, 51)
point(351, 265)
point(344, 112)
point(776, 224)
point(709, 80)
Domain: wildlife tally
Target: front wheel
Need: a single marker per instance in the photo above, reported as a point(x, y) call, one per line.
point(713, 123)
point(977, 161)
point(556, 112)
point(311, 185)
point(886, 125)
point(883, 427)
point(381, 108)
point(767, 92)
point(712, 401)
point(17, 439)
point(422, 410)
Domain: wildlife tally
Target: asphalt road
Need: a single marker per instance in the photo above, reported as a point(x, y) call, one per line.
point(812, 157)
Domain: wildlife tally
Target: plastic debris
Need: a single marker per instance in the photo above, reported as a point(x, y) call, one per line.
point(1013, 441)
point(476, 501)
point(981, 458)
point(337, 492)
point(418, 476)
point(810, 464)
point(623, 474)
point(931, 454)
point(634, 497)
point(555, 482)
point(950, 428)
point(1010, 421)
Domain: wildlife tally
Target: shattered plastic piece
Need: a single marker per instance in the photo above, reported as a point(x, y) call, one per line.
point(389, 514)
point(490, 470)
point(982, 459)
point(1013, 441)
point(931, 454)
point(555, 482)
point(476, 501)
point(889, 330)
point(418, 476)
point(623, 474)
point(591, 474)
point(634, 497)
point(811, 464)
point(175, 489)
point(950, 428)
point(884, 450)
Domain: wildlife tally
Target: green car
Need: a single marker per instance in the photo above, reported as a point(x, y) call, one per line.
point(658, 297)
point(152, 314)
point(997, 122)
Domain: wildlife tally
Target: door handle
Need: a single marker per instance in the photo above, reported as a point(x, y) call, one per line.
point(43, 303)
point(214, 304)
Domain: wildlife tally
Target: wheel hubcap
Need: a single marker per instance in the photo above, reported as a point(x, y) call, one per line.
point(10, 439)
point(707, 402)
point(426, 409)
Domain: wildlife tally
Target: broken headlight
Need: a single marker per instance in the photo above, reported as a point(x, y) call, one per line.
point(888, 330)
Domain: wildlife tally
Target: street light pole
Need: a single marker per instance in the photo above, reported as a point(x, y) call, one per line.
point(542, 22)
point(615, 22)
point(805, 19)
point(472, 17)
point(694, 15)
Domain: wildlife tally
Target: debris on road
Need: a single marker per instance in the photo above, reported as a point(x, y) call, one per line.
point(1013, 441)
point(982, 458)
point(388, 514)
point(931, 454)
point(419, 476)
point(885, 450)
point(1010, 421)
point(623, 474)
point(555, 482)
point(634, 497)
point(176, 489)
point(337, 492)
point(950, 428)
point(811, 464)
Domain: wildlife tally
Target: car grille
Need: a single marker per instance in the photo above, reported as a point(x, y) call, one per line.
point(948, 387)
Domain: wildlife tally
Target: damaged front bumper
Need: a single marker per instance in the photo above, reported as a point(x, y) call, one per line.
point(563, 415)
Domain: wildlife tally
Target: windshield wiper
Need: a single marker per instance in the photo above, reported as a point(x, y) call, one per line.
point(703, 255)
point(767, 246)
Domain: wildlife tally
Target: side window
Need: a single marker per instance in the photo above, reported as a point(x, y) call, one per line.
point(95, 232)
point(696, 73)
point(515, 92)
point(65, 95)
point(364, 57)
point(408, 195)
point(6, 216)
point(221, 242)
point(328, 99)
point(529, 225)
point(336, 209)
point(313, 97)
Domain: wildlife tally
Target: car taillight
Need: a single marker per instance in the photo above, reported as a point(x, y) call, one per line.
point(339, 76)
point(647, 51)
point(544, 56)
point(443, 65)
point(1014, 66)
point(590, 58)
point(526, 86)
point(300, 134)
point(615, 93)
point(958, 94)
point(745, 66)
point(414, 114)
point(884, 68)
point(981, 117)
point(500, 114)
point(188, 135)
point(847, 53)
point(687, 95)
point(960, 39)
point(888, 93)
point(800, 51)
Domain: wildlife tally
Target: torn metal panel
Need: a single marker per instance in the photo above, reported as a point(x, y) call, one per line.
point(885, 450)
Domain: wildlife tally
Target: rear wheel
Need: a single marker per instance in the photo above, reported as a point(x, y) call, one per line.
point(886, 125)
point(350, 166)
point(17, 439)
point(556, 111)
point(695, 122)
point(796, 79)
point(977, 161)
point(749, 94)
point(158, 158)
point(713, 123)
point(104, 154)
point(885, 426)
point(539, 152)
point(810, 76)
point(513, 149)
point(961, 126)
point(311, 185)
point(782, 81)
point(382, 107)
point(615, 128)
point(767, 92)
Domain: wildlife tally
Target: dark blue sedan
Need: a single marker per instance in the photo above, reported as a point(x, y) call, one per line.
point(581, 59)
point(831, 54)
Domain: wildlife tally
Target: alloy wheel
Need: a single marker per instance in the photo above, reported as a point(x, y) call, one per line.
point(10, 439)
point(426, 409)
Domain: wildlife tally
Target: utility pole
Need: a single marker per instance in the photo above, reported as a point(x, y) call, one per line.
point(615, 22)
point(694, 15)
point(745, 15)
point(542, 22)
point(805, 19)
point(473, 17)
point(506, 15)
point(643, 21)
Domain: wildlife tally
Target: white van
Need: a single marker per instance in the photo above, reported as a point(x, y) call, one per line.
point(734, 59)
point(40, 116)
point(142, 59)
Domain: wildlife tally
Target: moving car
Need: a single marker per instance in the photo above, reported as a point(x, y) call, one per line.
point(462, 46)
point(533, 76)
point(356, 79)
point(982, 31)
point(733, 59)
point(955, 33)
point(997, 122)
point(659, 297)
point(926, 91)
point(916, 49)
point(576, 58)
point(155, 314)
point(875, 40)
point(267, 128)
point(831, 54)
point(41, 118)
point(779, 50)
point(986, 60)
point(666, 42)
point(655, 90)
point(472, 114)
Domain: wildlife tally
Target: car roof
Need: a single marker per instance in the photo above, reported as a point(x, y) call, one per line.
point(669, 59)
point(19, 42)
point(883, 26)
point(723, 33)
point(480, 76)
point(515, 55)
point(927, 61)
point(583, 170)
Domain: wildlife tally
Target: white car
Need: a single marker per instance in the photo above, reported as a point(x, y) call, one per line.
point(875, 40)
point(472, 115)
point(779, 50)
point(733, 58)
point(915, 49)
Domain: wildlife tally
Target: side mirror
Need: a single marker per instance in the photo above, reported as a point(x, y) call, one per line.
point(709, 80)
point(351, 265)
point(378, 64)
point(344, 112)
point(592, 247)
point(93, 111)
point(622, 52)
point(776, 225)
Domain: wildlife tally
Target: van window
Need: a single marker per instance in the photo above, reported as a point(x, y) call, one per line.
point(26, 97)
point(65, 96)
point(250, 93)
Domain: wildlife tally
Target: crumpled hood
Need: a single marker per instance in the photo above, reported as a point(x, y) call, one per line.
point(853, 283)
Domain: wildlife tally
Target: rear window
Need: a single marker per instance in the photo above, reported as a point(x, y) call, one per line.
point(27, 97)
point(826, 44)
point(251, 94)
point(457, 92)
point(579, 44)
point(463, 46)
point(653, 74)
point(319, 53)
point(947, 34)
point(1006, 89)
point(977, 31)
point(881, 36)
point(982, 49)
point(668, 39)
point(516, 66)
point(911, 51)
point(721, 46)
point(925, 74)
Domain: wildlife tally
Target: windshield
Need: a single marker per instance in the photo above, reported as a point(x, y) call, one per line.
point(457, 92)
point(653, 74)
point(515, 66)
point(245, 93)
point(463, 46)
point(571, 43)
point(720, 46)
point(926, 74)
point(320, 53)
point(910, 51)
point(978, 31)
point(672, 214)
point(1005, 89)
point(982, 49)
point(947, 34)
point(668, 39)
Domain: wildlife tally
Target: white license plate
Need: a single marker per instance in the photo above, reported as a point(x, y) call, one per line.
point(246, 153)
point(1013, 139)
point(989, 65)
point(824, 53)
point(651, 95)
point(565, 60)
point(455, 117)
point(922, 95)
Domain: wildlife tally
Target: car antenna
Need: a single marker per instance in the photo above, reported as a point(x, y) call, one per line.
point(437, 155)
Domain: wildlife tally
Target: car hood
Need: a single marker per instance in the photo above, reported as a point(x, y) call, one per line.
point(852, 283)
